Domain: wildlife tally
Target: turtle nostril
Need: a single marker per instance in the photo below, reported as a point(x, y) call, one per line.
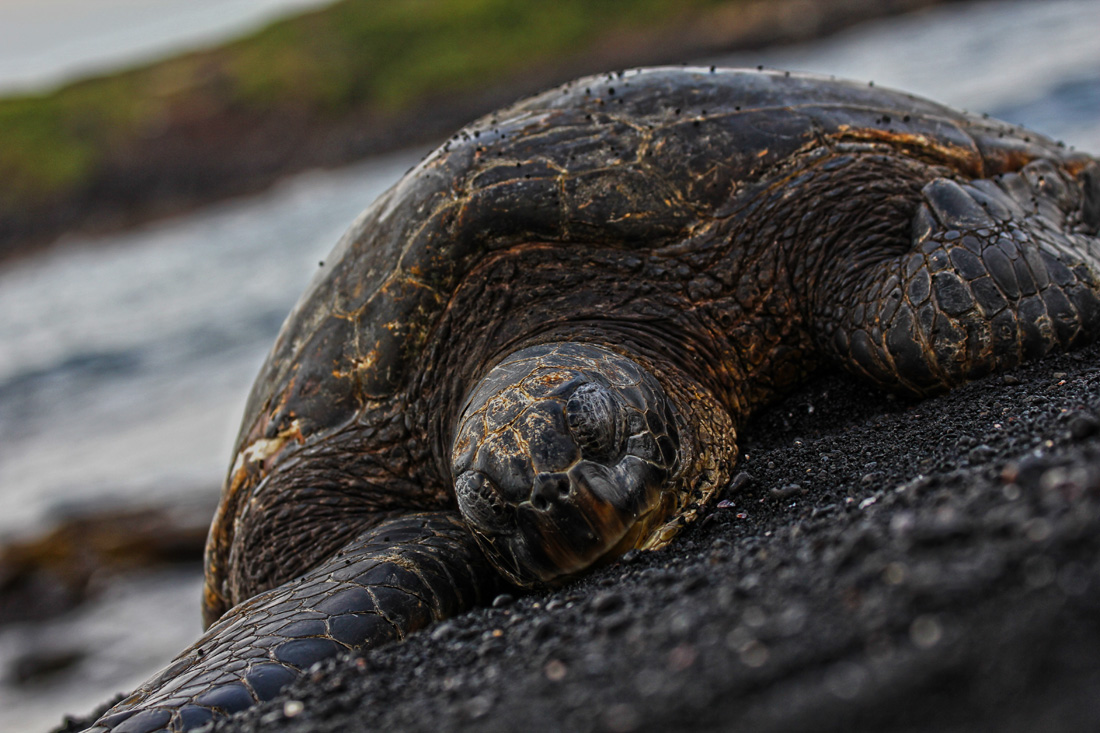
point(548, 489)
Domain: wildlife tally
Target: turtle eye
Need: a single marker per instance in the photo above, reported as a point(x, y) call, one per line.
point(595, 421)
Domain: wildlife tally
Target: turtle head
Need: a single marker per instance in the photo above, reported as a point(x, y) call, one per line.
point(563, 458)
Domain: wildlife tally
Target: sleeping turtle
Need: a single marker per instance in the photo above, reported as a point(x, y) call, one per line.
point(535, 352)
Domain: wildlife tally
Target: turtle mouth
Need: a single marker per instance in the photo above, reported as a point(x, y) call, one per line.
point(570, 521)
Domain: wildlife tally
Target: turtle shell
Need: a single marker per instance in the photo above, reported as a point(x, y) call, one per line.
point(629, 160)
point(429, 287)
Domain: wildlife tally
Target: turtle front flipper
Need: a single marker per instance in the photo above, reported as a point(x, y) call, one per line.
point(399, 576)
point(998, 271)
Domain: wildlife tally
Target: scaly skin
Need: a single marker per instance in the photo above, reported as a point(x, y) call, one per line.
point(713, 234)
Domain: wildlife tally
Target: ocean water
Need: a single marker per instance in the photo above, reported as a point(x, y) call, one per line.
point(125, 360)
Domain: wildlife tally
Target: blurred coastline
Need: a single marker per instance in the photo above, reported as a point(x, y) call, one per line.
point(334, 85)
point(48, 44)
point(125, 355)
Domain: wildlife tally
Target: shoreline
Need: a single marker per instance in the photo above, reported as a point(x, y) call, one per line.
point(194, 161)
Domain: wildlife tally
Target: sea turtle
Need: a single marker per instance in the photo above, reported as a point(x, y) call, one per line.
point(536, 350)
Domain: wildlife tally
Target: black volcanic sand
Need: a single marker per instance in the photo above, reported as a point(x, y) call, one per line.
point(889, 565)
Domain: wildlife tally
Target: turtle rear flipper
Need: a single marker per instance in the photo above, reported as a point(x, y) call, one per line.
point(999, 271)
point(396, 578)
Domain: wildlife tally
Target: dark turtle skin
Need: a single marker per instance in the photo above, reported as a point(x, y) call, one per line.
point(537, 349)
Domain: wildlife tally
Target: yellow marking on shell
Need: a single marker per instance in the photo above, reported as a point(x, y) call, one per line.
point(359, 365)
point(261, 449)
point(963, 158)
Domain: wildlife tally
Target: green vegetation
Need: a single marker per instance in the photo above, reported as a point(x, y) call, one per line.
point(353, 54)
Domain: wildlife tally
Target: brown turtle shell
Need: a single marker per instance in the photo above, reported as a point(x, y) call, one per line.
point(560, 217)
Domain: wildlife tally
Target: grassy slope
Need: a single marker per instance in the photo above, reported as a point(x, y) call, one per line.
point(325, 63)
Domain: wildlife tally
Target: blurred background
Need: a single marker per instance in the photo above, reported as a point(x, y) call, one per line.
point(171, 172)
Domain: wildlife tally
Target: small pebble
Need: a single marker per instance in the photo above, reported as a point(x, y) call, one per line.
point(980, 453)
point(1083, 425)
point(478, 706)
point(925, 632)
point(543, 630)
point(753, 654)
point(555, 670)
point(681, 657)
point(607, 603)
point(740, 481)
point(787, 491)
point(623, 718)
point(443, 631)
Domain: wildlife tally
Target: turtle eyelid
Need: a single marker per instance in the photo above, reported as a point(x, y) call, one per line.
point(595, 420)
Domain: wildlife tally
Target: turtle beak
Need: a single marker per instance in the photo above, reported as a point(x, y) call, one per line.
point(481, 504)
point(571, 522)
